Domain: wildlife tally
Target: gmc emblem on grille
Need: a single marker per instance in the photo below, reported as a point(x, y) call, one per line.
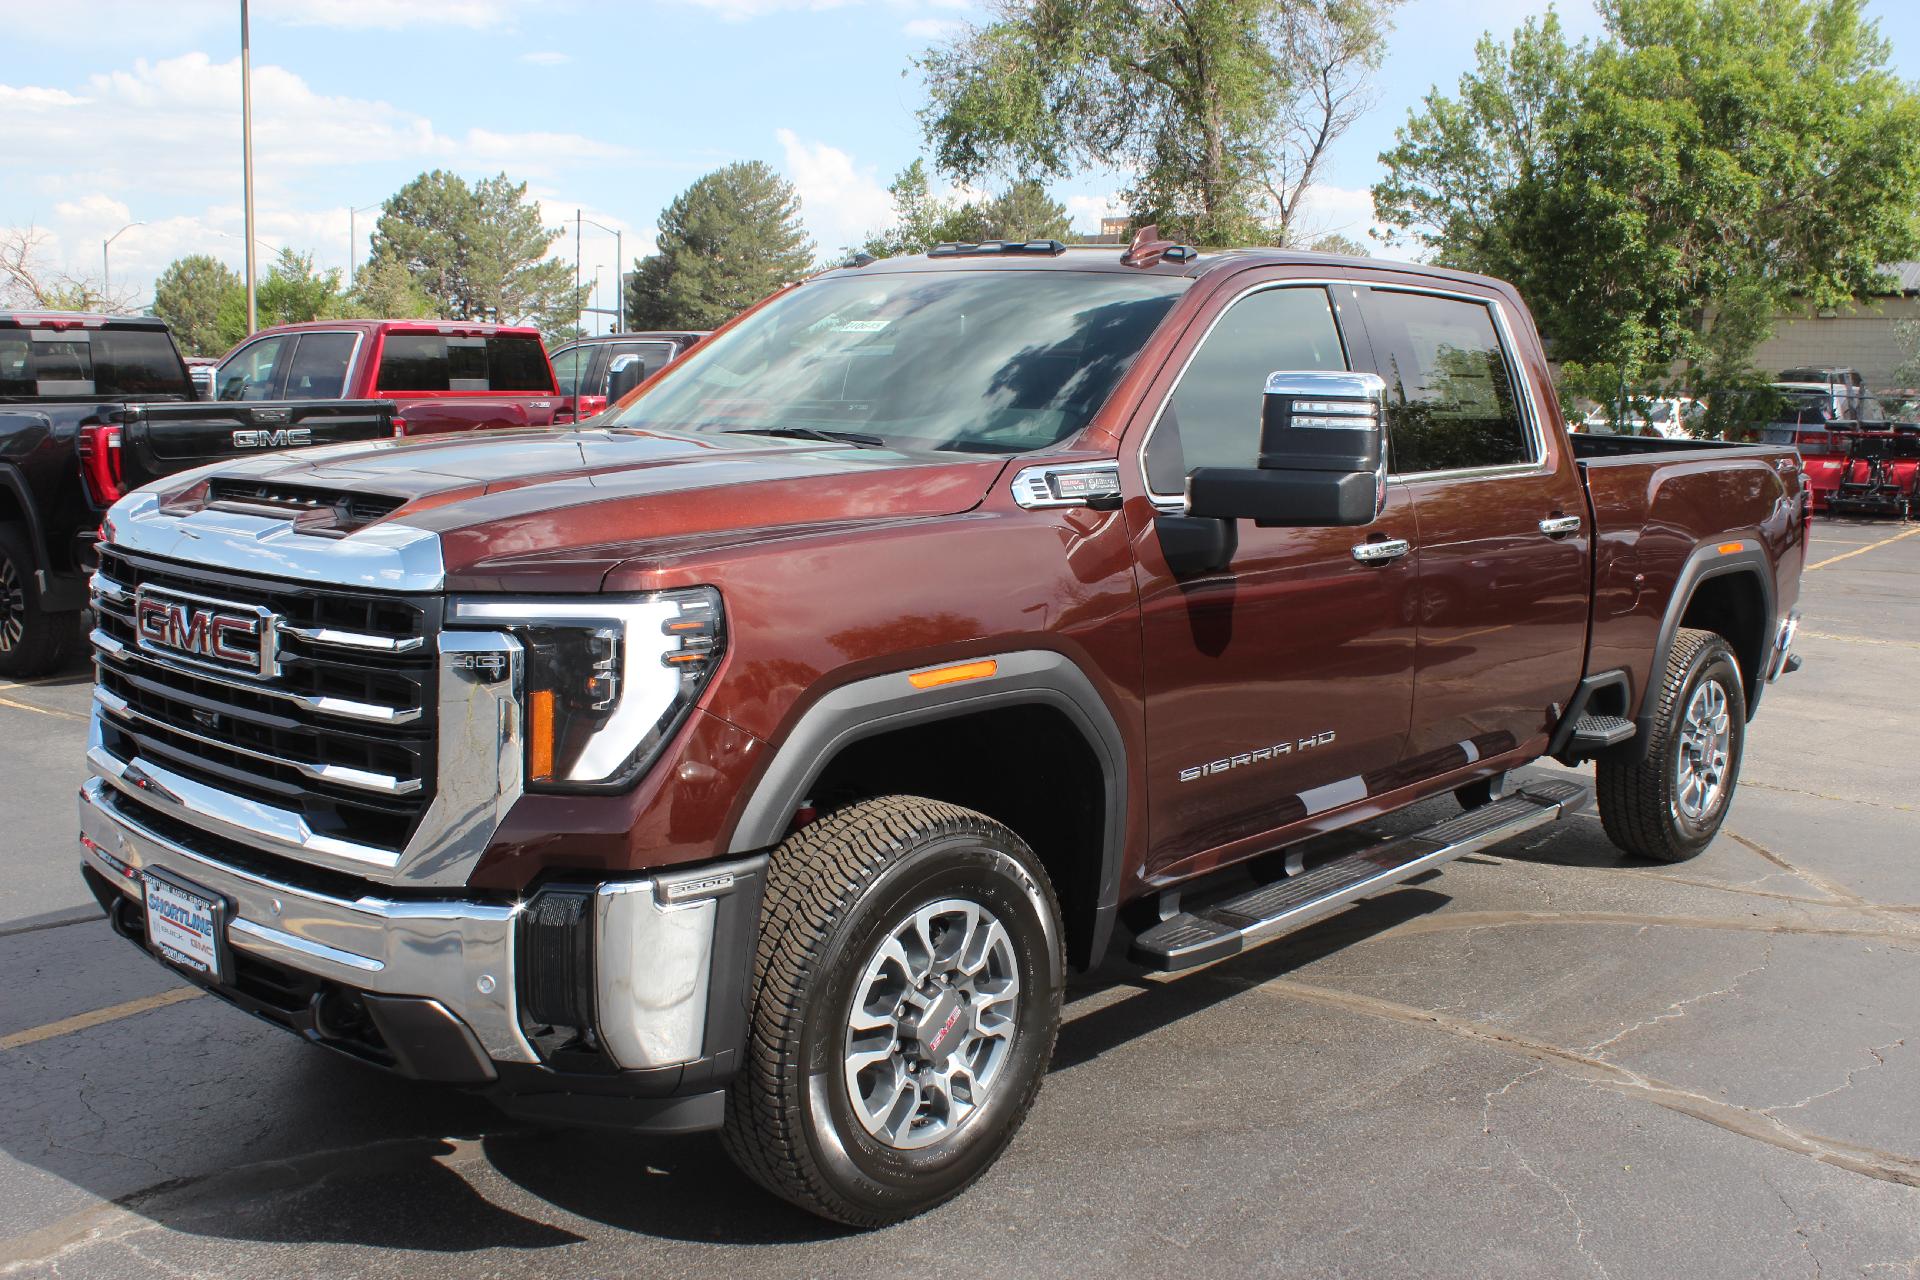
point(278, 438)
point(210, 633)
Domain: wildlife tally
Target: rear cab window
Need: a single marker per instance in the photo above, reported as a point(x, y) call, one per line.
point(44, 363)
point(413, 362)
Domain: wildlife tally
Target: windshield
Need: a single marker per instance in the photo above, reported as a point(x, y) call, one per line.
point(981, 361)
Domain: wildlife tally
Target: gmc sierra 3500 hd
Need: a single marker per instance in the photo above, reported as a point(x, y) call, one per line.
point(761, 758)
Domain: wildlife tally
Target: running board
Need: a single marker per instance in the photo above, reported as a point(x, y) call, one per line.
point(1258, 915)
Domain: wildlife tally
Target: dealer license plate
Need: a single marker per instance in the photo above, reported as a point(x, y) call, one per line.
point(185, 925)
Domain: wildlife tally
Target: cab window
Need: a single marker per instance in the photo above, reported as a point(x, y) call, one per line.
point(319, 367)
point(253, 372)
point(1451, 397)
point(568, 365)
point(1213, 417)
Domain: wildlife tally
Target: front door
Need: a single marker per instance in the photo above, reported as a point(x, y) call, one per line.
point(1503, 557)
point(1273, 686)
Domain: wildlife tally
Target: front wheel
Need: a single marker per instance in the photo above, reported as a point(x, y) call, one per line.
point(906, 993)
point(1669, 805)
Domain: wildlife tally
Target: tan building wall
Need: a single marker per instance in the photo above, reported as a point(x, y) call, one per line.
point(1858, 336)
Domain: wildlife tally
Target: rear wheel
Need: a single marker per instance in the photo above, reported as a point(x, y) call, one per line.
point(1669, 805)
point(906, 994)
point(32, 640)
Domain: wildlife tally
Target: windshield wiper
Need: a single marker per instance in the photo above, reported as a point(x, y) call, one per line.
point(860, 438)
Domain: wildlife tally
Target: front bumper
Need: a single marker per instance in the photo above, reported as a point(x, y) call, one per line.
point(431, 987)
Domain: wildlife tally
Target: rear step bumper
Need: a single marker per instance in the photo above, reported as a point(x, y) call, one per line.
point(1258, 915)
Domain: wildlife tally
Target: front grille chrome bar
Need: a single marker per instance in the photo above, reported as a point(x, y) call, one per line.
point(340, 775)
point(353, 639)
point(116, 654)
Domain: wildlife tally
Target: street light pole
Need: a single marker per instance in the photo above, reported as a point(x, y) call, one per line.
point(246, 152)
point(353, 242)
point(619, 267)
point(106, 268)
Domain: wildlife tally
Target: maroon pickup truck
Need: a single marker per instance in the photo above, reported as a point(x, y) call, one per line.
point(762, 758)
point(443, 375)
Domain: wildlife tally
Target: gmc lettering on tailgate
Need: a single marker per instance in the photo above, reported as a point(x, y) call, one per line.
point(276, 438)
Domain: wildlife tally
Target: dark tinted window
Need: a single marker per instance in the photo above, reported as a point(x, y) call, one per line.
point(319, 367)
point(414, 362)
point(978, 361)
point(62, 363)
point(16, 372)
point(568, 365)
point(137, 362)
point(1213, 418)
point(652, 356)
point(1451, 401)
point(517, 364)
point(467, 364)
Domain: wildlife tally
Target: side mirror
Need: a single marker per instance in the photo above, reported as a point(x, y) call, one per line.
point(1323, 458)
point(626, 373)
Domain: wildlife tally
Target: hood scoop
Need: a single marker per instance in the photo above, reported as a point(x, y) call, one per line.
point(325, 512)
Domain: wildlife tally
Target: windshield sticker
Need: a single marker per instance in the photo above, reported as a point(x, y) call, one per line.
point(861, 326)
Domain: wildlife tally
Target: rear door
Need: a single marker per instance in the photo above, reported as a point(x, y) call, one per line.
point(1503, 593)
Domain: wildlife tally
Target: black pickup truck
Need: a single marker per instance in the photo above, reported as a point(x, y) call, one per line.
point(92, 407)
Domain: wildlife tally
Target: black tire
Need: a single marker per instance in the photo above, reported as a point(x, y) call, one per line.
point(33, 641)
point(1641, 802)
point(835, 892)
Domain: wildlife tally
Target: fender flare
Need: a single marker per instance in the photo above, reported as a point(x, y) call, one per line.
point(13, 482)
point(1703, 564)
point(881, 704)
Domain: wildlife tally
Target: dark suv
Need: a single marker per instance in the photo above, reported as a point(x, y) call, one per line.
point(594, 372)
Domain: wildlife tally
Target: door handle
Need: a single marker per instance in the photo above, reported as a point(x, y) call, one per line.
point(1560, 526)
point(1381, 552)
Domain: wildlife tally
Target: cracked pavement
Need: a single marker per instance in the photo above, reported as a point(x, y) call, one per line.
point(1546, 1061)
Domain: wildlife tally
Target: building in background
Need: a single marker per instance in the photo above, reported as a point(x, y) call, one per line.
point(1860, 336)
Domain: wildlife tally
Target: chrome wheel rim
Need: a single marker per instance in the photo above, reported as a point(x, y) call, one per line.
point(932, 1024)
point(1706, 743)
point(13, 607)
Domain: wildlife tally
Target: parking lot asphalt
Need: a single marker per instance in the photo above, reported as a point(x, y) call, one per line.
point(1548, 1061)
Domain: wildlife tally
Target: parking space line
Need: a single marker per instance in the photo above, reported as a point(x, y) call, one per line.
point(1829, 635)
point(45, 711)
point(112, 1013)
point(1860, 551)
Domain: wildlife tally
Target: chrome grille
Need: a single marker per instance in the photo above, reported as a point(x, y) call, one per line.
point(343, 735)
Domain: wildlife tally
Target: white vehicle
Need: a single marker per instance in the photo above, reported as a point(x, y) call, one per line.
point(1670, 417)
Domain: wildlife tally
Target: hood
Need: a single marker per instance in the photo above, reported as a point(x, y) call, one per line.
point(557, 510)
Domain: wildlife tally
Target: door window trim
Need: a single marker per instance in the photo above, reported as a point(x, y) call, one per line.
point(1502, 330)
point(1529, 408)
point(1178, 502)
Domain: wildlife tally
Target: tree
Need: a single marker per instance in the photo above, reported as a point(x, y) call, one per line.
point(1208, 102)
point(293, 292)
point(725, 242)
point(1661, 193)
point(386, 291)
point(188, 296)
point(477, 252)
point(27, 281)
point(922, 220)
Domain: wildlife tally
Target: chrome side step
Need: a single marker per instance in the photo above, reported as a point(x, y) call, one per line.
point(1258, 915)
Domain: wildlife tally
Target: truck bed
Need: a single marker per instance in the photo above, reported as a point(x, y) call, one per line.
point(1663, 509)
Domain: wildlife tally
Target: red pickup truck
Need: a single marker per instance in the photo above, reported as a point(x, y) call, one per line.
point(763, 758)
point(443, 376)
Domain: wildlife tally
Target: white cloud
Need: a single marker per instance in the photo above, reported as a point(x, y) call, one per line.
point(391, 15)
point(1326, 210)
point(934, 28)
point(840, 200)
point(1087, 210)
point(546, 58)
point(144, 24)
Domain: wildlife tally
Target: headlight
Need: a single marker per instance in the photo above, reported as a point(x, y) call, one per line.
point(608, 681)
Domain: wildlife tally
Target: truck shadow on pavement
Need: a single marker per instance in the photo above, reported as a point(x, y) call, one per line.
point(317, 1150)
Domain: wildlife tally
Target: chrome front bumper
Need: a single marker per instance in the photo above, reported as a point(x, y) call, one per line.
point(654, 941)
point(456, 952)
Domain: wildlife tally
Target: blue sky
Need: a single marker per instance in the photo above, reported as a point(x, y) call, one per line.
point(113, 111)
